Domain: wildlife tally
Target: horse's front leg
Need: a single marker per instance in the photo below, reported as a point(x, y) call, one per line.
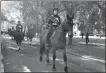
point(86, 40)
point(42, 47)
point(65, 61)
point(17, 42)
point(19, 45)
point(47, 53)
point(27, 38)
point(30, 41)
point(54, 58)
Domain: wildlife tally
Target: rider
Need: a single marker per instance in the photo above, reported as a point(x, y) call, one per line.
point(53, 22)
point(19, 27)
point(12, 28)
point(30, 27)
point(87, 37)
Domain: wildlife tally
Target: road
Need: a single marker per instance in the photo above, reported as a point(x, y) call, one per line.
point(81, 57)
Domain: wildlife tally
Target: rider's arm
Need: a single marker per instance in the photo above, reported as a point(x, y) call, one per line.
point(21, 28)
point(59, 21)
point(49, 22)
point(17, 27)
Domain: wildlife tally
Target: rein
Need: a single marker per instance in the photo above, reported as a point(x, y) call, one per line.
point(62, 26)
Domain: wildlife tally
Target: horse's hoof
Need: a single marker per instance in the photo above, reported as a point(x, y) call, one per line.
point(48, 63)
point(54, 69)
point(40, 59)
point(18, 49)
point(66, 69)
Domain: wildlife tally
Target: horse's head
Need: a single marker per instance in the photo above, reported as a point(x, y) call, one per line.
point(67, 24)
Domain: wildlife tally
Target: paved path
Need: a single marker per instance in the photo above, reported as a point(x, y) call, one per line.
point(81, 57)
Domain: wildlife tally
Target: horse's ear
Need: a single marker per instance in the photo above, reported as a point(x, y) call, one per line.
point(67, 16)
point(73, 16)
point(70, 17)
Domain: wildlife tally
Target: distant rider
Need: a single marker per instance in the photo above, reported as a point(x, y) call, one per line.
point(19, 27)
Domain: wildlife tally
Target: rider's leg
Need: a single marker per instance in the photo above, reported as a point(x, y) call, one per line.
point(49, 35)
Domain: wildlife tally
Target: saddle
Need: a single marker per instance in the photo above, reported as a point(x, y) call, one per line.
point(52, 33)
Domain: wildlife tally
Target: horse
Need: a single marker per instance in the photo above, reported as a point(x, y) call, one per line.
point(30, 36)
point(11, 33)
point(58, 41)
point(18, 36)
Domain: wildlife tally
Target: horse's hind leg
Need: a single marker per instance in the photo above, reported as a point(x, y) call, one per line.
point(65, 61)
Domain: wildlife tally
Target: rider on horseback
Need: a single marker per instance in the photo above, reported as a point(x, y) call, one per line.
point(19, 34)
point(30, 27)
point(53, 23)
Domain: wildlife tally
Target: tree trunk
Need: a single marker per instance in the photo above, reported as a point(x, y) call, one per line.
point(70, 35)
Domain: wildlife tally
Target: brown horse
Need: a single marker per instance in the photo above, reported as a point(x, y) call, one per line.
point(58, 41)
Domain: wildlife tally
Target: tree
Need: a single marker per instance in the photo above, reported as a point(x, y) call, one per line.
point(3, 17)
point(10, 12)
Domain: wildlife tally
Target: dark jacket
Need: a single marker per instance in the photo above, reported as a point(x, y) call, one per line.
point(54, 20)
point(19, 27)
